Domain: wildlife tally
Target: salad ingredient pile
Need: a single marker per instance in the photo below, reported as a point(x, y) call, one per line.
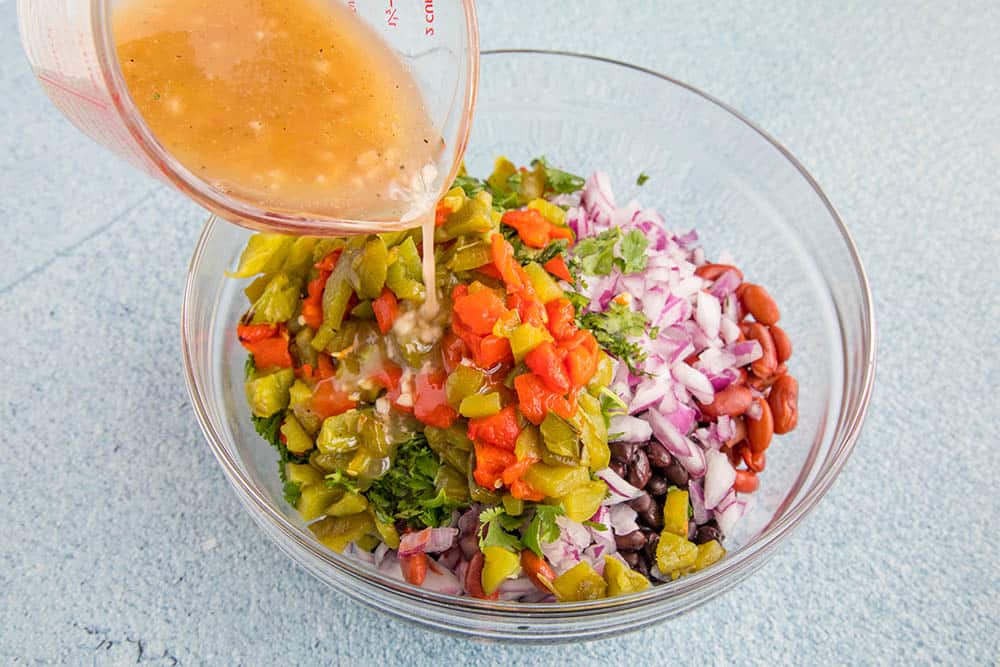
point(585, 414)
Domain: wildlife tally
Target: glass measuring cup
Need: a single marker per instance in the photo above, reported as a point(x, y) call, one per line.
point(72, 52)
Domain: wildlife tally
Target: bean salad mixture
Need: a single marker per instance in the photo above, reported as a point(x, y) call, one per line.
point(586, 414)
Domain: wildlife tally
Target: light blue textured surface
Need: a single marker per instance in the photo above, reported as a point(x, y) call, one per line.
point(120, 541)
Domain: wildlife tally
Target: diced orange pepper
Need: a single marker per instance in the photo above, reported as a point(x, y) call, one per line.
point(479, 310)
point(561, 318)
point(324, 366)
point(524, 491)
point(490, 270)
point(490, 351)
point(503, 259)
point(453, 349)
point(557, 267)
point(582, 354)
point(251, 333)
point(328, 400)
point(429, 404)
point(386, 310)
point(558, 232)
point(536, 400)
point(516, 471)
point(531, 310)
point(499, 430)
point(441, 214)
point(490, 464)
point(389, 375)
point(531, 226)
point(548, 365)
point(329, 262)
point(270, 352)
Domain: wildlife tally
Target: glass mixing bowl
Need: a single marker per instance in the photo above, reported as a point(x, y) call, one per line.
point(708, 168)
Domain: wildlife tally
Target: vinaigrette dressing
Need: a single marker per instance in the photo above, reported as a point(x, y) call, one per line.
point(295, 106)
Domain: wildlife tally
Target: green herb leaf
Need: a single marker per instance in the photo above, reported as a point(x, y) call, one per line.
point(633, 252)
point(249, 368)
point(497, 524)
point(292, 492)
point(595, 255)
point(613, 328)
point(472, 186)
point(543, 527)
point(407, 490)
point(595, 525)
point(339, 478)
point(643, 177)
point(557, 180)
point(269, 428)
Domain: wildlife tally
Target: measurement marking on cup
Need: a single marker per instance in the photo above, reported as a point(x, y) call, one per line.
point(391, 16)
point(428, 17)
point(66, 88)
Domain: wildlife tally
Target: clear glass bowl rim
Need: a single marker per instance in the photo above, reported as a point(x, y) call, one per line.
point(739, 562)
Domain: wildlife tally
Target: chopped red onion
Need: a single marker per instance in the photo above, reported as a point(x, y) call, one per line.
point(697, 497)
point(631, 429)
point(620, 490)
point(719, 477)
point(623, 519)
point(428, 540)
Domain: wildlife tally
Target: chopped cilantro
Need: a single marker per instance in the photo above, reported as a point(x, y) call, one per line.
point(497, 524)
point(543, 527)
point(524, 254)
point(407, 490)
point(613, 328)
point(596, 526)
point(557, 180)
point(292, 492)
point(595, 255)
point(338, 478)
point(249, 368)
point(269, 428)
point(643, 177)
point(633, 252)
point(472, 186)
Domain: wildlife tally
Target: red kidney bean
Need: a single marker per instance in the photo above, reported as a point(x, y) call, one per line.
point(782, 343)
point(713, 271)
point(784, 403)
point(620, 468)
point(754, 461)
point(632, 558)
point(414, 568)
point(474, 579)
point(469, 544)
point(760, 431)
point(732, 401)
point(767, 363)
point(760, 304)
point(746, 481)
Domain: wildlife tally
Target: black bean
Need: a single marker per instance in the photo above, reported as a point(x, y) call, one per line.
point(658, 455)
point(632, 558)
point(650, 549)
point(642, 503)
point(639, 472)
point(649, 511)
point(642, 565)
point(630, 542)
point(623, 451)
point(657, 486)
point(677, 475)
point(654, 516)
point(620, 468)
point(707, 533)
